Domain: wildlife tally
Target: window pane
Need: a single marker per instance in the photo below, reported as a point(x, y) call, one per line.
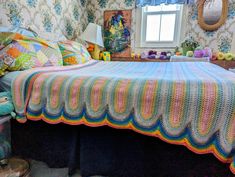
point(167, 27)
point(153, 28)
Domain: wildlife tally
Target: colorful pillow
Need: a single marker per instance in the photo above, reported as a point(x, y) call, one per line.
point(73, 53)
point(21, 52)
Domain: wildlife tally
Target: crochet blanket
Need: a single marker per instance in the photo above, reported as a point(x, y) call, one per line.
point(191, 104)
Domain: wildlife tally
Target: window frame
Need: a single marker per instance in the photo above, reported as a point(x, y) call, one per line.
point(160, 44)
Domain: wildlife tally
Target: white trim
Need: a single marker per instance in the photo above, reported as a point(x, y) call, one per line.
point(141, 29)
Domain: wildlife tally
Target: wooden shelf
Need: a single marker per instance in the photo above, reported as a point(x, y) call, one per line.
point(224, 63)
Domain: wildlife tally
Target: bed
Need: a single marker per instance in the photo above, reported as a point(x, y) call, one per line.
point(190, 104)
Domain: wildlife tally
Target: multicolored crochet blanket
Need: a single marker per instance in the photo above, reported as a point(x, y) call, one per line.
point(191, 104)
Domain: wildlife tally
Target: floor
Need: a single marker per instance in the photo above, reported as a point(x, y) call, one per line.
point(40, 169)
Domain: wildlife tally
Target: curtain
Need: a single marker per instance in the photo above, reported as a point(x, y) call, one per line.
point(141, 3)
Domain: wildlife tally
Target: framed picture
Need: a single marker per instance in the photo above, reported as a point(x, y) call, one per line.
point(117, 32)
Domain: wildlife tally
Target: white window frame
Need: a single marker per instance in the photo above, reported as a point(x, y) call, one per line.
point(159, 44)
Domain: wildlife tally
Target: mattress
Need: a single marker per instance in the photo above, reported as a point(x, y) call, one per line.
point(5, 81)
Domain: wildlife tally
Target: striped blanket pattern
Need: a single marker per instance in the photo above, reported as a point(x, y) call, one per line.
point(191, 104)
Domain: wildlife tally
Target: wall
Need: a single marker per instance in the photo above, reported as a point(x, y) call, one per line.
point(221, 40)
point(70, 17)
point(96, 8)
point(53, 16)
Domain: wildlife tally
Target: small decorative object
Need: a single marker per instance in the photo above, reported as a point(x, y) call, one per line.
point(208, 52)
point(6, 108)
point(91, 47)
point(163, 56)
point(214, 57)
point(117, 32)
point(152, 54)
point(6, 105)
point(132, 55)
point(93, 35)
point(233, 56)
point(228, 56)
point(198, 53)
point(168, 55)
point(189, 54)
point(144, 55)
point(163, 53)
point(189, 44)
point(101, 55)
point(220, 56)
point(137, 56)
point(106, 56)
point(178, 53)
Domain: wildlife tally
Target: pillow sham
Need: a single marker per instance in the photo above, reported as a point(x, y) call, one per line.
point(21, 52)
point(73, 52)
point(55, 37)
point(20, 30)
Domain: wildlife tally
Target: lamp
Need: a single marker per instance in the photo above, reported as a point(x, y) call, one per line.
point(93, 35)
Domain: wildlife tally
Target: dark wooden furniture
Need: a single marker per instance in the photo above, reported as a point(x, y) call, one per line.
point(222, 63)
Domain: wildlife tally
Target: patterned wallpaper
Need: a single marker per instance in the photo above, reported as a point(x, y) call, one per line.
point(220, 40)
point(53, 16)
point(96, 8)
point(71, 17)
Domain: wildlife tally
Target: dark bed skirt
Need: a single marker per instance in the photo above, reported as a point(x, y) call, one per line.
point(110, 152)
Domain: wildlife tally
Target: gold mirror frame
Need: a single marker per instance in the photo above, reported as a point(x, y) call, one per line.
point(221, 21)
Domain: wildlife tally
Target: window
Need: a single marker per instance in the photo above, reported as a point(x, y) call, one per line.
point(160, 26)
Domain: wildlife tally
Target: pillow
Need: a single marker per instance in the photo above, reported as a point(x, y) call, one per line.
point(73, 53)
point(55, 37)
point(7, 37)
point(24, 52)
point(20, 30)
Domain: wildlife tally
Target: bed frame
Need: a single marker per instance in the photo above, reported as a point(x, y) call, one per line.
point(109, 152)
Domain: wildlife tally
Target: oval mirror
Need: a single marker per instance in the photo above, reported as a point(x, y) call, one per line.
point(212, 13)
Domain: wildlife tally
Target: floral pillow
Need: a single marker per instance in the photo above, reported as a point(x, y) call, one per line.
point(21, 52)
point(73, 53)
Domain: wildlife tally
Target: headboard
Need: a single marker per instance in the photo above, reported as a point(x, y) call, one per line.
point(50, 16)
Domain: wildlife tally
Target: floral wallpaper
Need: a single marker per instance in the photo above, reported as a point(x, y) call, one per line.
point(70, 17)
point(66, 17)
point(96, 8)
point(220, 40)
